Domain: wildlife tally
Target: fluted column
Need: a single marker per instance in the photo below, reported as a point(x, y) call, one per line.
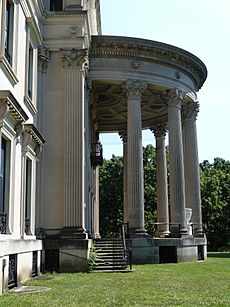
point(123, 136)
point(191, 165)
point(162, 184)
point(74, 63)
point(43, 60)
point(173, 98)
point(135, 180)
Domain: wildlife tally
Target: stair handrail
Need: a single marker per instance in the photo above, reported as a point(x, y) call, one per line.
point(126, 251)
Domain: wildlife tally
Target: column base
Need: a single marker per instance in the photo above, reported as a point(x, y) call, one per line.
point(162, 233)
point(73, 233)
point(134, 233)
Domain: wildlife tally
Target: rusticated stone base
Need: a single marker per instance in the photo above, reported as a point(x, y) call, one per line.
point(147, 250)
point(66, 255)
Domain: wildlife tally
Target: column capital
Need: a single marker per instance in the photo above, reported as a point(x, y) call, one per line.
point(133, 88)
point(190, 110)
point(123, 136)
point(75, 58)
point(173, 98)
point(159, 130)
point(43, 58)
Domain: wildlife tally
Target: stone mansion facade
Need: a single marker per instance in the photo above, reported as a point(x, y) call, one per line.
point(62, 84)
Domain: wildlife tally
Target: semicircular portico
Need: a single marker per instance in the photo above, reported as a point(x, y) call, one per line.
point(116, 59)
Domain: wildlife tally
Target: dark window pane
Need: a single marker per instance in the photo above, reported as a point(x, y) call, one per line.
point(2, 174)
point(55, 5)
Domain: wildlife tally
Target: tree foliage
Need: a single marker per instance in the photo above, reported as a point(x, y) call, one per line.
point(111, 196)
point(215, 194)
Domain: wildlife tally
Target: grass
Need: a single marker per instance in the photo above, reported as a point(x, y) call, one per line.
point(189, 284)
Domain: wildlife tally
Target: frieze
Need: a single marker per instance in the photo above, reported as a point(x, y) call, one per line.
point(151, 51)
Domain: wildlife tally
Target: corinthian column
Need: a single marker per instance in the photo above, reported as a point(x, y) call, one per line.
point(191, 165)
point(123, 136)
point(162, 185)
point(173, 99)
point(75, 63)
point(135, 180)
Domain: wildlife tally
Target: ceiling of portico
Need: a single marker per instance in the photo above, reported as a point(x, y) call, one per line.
point(109, 105)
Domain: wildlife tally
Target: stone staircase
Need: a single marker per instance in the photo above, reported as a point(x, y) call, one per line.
point(110, 256)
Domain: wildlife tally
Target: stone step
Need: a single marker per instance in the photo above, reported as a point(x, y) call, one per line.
point(110, 256)
point(109, 267)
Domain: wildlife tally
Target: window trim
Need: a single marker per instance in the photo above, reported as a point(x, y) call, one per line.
point(8, 68)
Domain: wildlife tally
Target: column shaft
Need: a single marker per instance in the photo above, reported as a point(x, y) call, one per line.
point(191, 166)
point(135, 180)
point(162, 184)
point(176, 164)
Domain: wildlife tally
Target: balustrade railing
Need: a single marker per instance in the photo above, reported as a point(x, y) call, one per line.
point(175, 229)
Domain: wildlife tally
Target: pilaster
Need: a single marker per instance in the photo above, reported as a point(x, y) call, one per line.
point(135, 180)
point(75, 63)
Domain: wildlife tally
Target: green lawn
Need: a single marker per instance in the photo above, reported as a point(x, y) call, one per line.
point(190, 284)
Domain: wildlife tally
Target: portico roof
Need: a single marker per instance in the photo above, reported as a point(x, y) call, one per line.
point(114, 59)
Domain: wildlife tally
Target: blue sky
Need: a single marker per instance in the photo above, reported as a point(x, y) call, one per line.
point(202, 28)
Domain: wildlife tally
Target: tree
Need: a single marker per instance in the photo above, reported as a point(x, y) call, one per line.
point(215, 194)
point(111, 196)
point(150, 198)
point(111, 193)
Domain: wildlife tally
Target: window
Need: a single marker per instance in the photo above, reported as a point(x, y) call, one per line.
point(55, 5)
point(30, 71)
point(28, 195)
point(9, 16)
point(4, 170)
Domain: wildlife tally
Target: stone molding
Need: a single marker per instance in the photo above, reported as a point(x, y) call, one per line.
point(152, 51)
point(32, 135)
point(75, 59)
point(43, 58)
point(10, 105)
point(133, 88)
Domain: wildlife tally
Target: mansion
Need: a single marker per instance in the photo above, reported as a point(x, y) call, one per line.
point(62, 83)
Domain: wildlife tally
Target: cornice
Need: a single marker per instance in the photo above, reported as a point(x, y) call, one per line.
point(32, 134)
point(15, 109)
point(36, 136)
point(152, 51)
